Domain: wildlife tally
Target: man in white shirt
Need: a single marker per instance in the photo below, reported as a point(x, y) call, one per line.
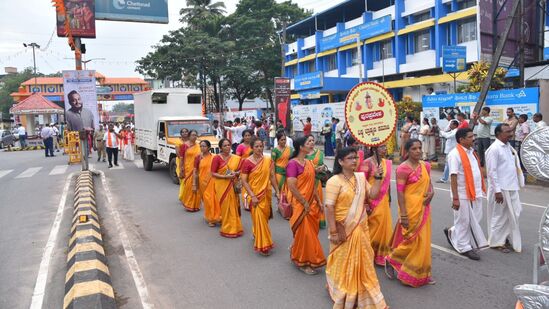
point(505, 178)
point(218, 133)
point(55, 136)
point(450, 137)
point(22, 136)
point(47, 136)
point(483, 132)
point(289, 142)
point(467, 183)
point(538, 121)
point(236, 130)
point(111, 143)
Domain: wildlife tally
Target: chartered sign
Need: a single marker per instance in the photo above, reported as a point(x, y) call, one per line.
point(148, 11)
point(365, 31)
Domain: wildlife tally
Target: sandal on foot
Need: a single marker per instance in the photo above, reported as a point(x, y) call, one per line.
point(308, 270)
point(432, 282)
point(502, 249)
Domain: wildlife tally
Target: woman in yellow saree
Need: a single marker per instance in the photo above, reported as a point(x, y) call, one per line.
point(244, 151)
point(184, 137)
point(281, 155)
point(258, 177)
point(306, 251)
point(205, 184)
point(411, 244)
point(225, 171)
point(380, 222)
point(187, 195)
point(317, 157)
point(350, 273)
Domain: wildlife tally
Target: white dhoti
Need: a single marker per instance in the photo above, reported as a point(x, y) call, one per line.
point(467, 233)
point(503, 219)
point(128, 152)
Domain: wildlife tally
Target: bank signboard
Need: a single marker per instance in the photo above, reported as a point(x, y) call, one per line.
point(364, 31)
point(308, 81)
point(148, 11)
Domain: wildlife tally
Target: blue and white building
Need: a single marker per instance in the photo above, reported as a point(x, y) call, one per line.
point(397, 42)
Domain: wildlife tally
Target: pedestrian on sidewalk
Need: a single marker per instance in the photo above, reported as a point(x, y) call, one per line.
point(237, 131)
point(424, 132)
point(505, 178)
point(463, 123)
point(188, 195)
point(111, 139)
point(205, 183)
point(405, 136)
point(22, 132)
point(351, 278)
point(128, 144)
point(258, 177)
point(468, 189)
point(55, 136)
point(305, 252)
point(47, 137)
point(450, 137)
point(307, 126)
point(433, 138)
point(100, 144)
point(522, 130)
point(512, 121)
point(272, 134)
point(328, 146)
point(484, 122)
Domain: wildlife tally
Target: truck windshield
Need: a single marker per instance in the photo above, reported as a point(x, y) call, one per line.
point(202, 127)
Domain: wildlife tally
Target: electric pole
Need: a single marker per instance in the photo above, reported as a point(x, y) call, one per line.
point(33, 45)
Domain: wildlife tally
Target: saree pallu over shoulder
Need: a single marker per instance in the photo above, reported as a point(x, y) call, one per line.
point(260, 183)
point(281, 161)
point(317, 158)
point(306, 249)
point(212, 210)
point(231, 226)
point(189, 199)
point(411, 254)
point(350, 274)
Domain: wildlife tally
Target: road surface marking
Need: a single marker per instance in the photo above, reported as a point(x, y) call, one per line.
point(119, 167)
point(29, 172)
point(138, 278)
point(138, 163)
point(449, 251)
point(91, 167)
point(59, 169)
point(5, 172)
point(42, 279)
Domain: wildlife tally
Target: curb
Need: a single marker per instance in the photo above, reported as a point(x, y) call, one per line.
point(27, 148)
point(87, 282)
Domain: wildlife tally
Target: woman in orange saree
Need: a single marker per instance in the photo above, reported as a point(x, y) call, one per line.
point(350, 273)
point(187, 195)
point(205, 184)
point(316, 156)
point(281, 155)
point(225, 171)
point(184, 133)
point(258, 177)
point(380, 222)
point(244, 150)
point(411, 244)
point(306, 251)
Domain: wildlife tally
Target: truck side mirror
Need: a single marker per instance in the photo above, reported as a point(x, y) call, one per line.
point(161, 135)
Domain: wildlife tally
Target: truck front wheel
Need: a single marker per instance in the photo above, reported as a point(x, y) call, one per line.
point(148, 162)
point(173, 171)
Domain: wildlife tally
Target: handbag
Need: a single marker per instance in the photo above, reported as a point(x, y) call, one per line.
point(284, 207)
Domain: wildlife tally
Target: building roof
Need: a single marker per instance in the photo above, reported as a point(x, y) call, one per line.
point(35, 104)
point(99, 76)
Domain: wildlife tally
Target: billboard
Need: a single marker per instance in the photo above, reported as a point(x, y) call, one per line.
point(146, 11)
point(282, 93)
point(321, 114)
point(80, 96)
point(487, 15)
point(81, 19)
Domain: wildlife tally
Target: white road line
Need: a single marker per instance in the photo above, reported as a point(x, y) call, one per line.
point(42, 278)
point(29, 172)
point(119, 167)
point(138, 278)
point(5, 172)
point(449, 251)
point(138, 163)
point(59, 169)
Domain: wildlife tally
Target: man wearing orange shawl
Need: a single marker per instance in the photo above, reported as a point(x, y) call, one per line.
point(468, 189)
point(188, 152)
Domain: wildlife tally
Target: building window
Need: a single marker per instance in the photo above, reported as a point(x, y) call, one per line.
point(354, 57)
point(467, 30)
point(293, 70)
point(463, 4)
point(422, 40)
point(386, 49)
point(331, 62)
point(422, 16)
point(310, 66)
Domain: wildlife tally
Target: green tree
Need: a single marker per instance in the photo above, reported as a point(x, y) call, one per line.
point(198, 11)
point(123, 108)
point(9, 84)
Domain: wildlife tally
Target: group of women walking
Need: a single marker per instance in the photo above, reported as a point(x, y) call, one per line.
point(356, 208)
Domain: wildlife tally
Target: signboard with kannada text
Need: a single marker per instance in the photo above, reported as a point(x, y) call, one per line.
point(370, 114)
point(364, 31)
point(308, 81)
point(454, 58)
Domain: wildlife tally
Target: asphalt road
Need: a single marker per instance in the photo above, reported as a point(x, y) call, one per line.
point(186, 264)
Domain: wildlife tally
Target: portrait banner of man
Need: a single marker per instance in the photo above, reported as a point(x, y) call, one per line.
point(80, 100)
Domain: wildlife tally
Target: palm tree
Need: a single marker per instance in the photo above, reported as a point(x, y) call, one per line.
point(201, 10)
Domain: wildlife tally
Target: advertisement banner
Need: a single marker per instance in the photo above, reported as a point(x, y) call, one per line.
point(146, 11)
point(81, 15)
point(80, 100)
point(511, 49)
point(308, 81)
point(370, 114)
point(365, 31)
point(321, 115)
point(523, 101)
point(282, 94)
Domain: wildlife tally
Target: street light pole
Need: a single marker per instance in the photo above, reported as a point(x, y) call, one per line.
point(33, 45)
point(383, 66)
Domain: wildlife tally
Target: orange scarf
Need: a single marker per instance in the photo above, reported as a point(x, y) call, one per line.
point(468, 171)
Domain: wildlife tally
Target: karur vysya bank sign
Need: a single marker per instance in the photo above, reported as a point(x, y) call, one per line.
point(365, 31)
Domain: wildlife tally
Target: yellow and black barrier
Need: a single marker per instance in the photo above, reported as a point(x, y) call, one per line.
point(39, 147)
point(88, 281)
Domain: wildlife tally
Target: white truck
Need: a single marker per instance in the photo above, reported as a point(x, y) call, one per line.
point(159, 117)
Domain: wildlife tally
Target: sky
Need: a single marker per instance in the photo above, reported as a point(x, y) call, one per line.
point(119, 43)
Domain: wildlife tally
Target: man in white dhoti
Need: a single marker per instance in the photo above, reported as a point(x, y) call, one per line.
point(505, 178)
point(467, 183)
